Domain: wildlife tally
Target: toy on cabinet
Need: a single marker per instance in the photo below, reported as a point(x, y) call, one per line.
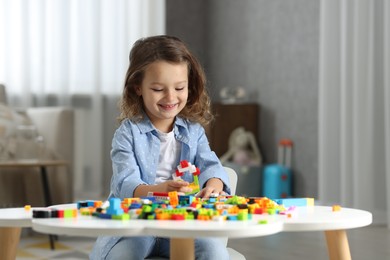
point(243, 149)
point(243, 155)
point(228, 117)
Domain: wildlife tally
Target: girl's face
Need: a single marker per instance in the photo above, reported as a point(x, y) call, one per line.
point(164, 91)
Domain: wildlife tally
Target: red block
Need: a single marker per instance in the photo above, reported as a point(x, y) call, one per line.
point(177, 217)
point(259, 211)
point(184, 164)
point(197, 172)
point(178, 174)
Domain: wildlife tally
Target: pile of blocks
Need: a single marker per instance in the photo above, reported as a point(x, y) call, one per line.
point(172, 206)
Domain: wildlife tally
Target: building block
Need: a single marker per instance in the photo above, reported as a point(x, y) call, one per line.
point(336, 208)
point(298, 202)
point(186, 166)
point(115, 207)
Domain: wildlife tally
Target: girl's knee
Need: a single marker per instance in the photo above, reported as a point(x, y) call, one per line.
point(131, 248)
point(210, 248)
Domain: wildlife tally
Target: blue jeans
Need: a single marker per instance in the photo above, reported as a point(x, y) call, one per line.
point(136, 248)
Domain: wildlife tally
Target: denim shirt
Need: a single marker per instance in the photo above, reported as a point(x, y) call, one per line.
point(135, 154)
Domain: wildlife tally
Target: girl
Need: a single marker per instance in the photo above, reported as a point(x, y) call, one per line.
point(163, 110)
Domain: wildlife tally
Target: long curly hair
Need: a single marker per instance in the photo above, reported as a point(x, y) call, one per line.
point(171, 49)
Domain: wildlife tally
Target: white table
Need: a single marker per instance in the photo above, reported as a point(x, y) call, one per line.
point(42, 165)
point(334, 224)
point(12, 221)
point(182, 233)
point(317, 218)
point(321, 218)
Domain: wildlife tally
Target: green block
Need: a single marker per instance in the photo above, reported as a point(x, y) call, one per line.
point(242, 216)
point(68, 213)
point(271, 211)
point(121, 217)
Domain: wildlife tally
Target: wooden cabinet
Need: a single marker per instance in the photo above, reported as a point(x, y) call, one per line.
point(227, 118)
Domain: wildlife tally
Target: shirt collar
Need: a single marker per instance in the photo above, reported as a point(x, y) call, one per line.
point(145, 125)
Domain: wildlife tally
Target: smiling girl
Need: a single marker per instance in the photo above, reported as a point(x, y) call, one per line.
point(164, 109)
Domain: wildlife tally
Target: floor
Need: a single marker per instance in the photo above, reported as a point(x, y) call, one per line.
point(36, 246)
point(371, 242)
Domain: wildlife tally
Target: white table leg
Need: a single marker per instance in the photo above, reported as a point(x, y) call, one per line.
point(9, 241)
point(182, 249)
point(338, 247)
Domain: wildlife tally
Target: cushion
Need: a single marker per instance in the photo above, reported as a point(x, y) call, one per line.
point(18, 136)
point(11, 117)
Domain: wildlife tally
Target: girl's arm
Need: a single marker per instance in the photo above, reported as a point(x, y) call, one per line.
point(213, 178)
point(126, 172)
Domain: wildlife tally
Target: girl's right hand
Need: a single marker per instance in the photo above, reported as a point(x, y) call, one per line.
point(179, 186)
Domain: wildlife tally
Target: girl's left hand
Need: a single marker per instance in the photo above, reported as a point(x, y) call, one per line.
point(213, 186)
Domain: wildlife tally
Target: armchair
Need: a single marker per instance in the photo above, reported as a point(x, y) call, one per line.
point(19, 187)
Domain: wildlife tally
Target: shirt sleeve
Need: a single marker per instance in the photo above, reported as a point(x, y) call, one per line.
point(208, 162)
point(126, 173)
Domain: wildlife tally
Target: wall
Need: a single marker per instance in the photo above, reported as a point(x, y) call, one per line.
point(271, 49)
point(89, 184)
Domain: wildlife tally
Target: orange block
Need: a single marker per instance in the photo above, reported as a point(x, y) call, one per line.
point(173, 198)
point(97, 204)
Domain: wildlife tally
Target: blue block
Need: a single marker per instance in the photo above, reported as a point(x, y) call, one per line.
point(151, 198)
point(104, 216)
point(135, 206)
point(115, 203)
point(232, 217)
point(298, 202)
point(85, 204)
point(115, 207)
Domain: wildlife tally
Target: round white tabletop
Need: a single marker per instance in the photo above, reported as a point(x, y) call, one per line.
point(15, 217)
point(322, 218)
point(311, 218)
point(317, 218)
point(196, 228)
point(89, 226)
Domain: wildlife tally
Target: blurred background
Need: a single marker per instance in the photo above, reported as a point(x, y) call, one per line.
point(315, 72)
